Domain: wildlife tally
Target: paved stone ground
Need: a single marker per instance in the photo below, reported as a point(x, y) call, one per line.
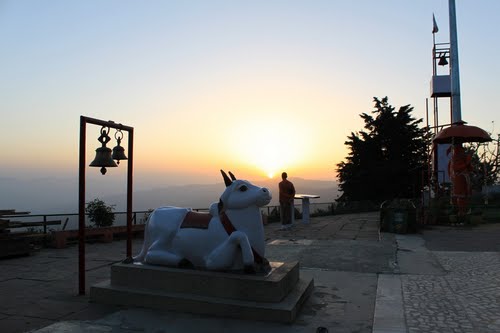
point(342, 253)
point(445, 279)
point(463, 238)
point(465, 300)
point(466, 297)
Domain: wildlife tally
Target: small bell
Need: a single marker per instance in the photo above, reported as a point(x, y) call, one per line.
point(103, 157)
point(442, 61)
point(118, 151)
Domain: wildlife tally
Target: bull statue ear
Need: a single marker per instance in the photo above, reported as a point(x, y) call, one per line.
point(227, 181)
point(231, 175)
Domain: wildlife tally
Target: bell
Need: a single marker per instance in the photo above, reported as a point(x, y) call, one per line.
point(118, 151)
point(103, 157)
point(442, 61)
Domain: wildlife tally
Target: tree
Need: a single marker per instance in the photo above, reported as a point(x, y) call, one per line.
point(99, 213)
point(387, 159)
point(485, 158)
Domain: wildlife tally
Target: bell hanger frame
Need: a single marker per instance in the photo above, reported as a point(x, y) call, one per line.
point(81, 190)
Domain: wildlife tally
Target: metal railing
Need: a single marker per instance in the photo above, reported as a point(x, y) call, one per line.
point(45, 223)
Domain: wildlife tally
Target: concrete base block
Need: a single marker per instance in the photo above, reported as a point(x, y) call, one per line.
point(277, 296)
point(272, 287)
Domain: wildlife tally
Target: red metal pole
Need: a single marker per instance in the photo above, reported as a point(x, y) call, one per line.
point(81, 209)
point(110, 124)
point(129, 190)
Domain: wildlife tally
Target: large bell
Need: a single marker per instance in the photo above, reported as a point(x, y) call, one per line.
point(118, 151)
point(103, 157)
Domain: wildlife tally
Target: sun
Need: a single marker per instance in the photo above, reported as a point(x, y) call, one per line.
point(269, 146)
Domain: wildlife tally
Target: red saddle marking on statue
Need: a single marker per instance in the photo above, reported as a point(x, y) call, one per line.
point(226, 223)
point(196, 220)
point(229, 227)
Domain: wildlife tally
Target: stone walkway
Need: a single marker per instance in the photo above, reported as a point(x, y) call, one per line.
point(466, 299)
point(444, 291)
point(460, 292)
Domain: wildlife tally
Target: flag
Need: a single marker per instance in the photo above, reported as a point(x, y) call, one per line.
point(434, 25)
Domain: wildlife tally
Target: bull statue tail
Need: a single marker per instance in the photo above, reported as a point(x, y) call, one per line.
point(140, 257)
point(145, 244)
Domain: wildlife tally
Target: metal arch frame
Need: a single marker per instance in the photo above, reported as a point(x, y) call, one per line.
point(81, 191)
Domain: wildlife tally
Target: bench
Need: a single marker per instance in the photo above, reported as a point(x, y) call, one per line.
point(61, 239)
point(32, 224)
point(44, 224)
point(20, 243)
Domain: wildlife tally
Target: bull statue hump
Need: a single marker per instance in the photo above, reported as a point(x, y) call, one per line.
point(228, 238)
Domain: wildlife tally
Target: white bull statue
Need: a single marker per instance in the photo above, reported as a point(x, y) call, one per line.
point(229, 238)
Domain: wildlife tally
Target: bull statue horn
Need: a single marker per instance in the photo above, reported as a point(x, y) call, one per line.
point(227, 181)
point(231, 175)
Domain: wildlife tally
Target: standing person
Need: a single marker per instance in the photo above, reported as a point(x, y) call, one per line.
point(287, 194)
point(460, 169)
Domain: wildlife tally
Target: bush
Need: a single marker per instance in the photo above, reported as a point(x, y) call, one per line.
point(274, 215)
point(145, 217)
point(324, 212)
point(100, 214)
point(348, 207)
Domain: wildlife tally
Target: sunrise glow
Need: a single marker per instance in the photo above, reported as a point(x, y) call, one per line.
point(269, 144)
point(206, 88)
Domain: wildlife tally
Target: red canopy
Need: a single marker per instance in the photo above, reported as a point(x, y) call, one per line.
point(460, 133)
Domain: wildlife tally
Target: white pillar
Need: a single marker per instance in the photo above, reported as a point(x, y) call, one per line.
point(305, 210)
point(456, 109)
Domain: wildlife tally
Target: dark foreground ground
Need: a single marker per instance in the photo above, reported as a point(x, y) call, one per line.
point(445, 279)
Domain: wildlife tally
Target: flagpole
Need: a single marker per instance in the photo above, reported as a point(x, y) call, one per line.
point(435, 148)
point(435, 29)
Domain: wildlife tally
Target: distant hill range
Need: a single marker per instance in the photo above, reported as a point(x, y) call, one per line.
point(60, 195)
point(201, 196)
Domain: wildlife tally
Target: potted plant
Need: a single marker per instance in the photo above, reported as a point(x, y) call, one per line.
point(100, 214)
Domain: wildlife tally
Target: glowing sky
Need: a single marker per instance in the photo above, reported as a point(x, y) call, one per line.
point(256, 87)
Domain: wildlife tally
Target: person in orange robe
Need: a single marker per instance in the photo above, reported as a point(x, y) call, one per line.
point(459, 168)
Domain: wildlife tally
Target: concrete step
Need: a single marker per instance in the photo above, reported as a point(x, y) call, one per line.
point(277, 296)
point(284, 311)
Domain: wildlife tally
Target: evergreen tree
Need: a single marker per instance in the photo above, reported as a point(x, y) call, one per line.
point(387, 159)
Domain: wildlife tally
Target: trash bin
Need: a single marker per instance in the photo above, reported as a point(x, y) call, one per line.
point(398, 216)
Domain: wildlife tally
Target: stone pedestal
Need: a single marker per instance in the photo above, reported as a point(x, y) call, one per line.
point(276, 296)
